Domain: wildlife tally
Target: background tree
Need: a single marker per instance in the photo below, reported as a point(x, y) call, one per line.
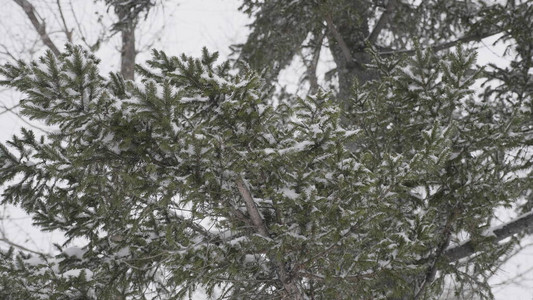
point(60, 22)
point(348, 29)
point(127, 12)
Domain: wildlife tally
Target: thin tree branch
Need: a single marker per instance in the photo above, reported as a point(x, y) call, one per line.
point(519, 225)
point(383, 19)
point(25, 249)
point(9, 109)
point(7, 52)
point(344, 48)
point(311, 64)
point(443, 46)
point(255, 216)
point(432, 269)
point(291, 289)
point(68, 33)
point(39, 26)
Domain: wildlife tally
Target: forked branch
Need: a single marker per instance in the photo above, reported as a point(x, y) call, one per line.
point(39, 25)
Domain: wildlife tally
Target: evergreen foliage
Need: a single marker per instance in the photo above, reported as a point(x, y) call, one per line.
point(193, 178)
point(282, 31)
point(197, 177)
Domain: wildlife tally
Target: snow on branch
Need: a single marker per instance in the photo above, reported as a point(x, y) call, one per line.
point(500, 232)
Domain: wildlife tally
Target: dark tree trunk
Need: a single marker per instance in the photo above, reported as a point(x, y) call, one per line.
point(347, 45)
point(127, 53)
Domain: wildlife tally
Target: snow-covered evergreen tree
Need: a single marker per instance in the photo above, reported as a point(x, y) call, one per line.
point(193, 178)
point(198, 177)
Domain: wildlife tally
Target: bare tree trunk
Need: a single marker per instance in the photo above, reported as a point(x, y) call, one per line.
point(127, 52)
point(347, 45)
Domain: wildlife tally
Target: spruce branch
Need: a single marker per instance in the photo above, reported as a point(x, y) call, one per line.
point(432, 269)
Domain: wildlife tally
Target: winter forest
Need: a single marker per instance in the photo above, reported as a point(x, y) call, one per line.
point(266, 149)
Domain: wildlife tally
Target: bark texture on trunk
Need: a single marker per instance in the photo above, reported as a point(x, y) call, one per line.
point(347, 43)
point(128, 52)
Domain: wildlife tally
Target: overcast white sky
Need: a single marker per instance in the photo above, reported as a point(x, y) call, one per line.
point(181, 26)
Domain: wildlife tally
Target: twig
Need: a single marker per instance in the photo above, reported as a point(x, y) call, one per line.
point(7, 52)
point(9, 109)
point(68, 33)
point(5, 240)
